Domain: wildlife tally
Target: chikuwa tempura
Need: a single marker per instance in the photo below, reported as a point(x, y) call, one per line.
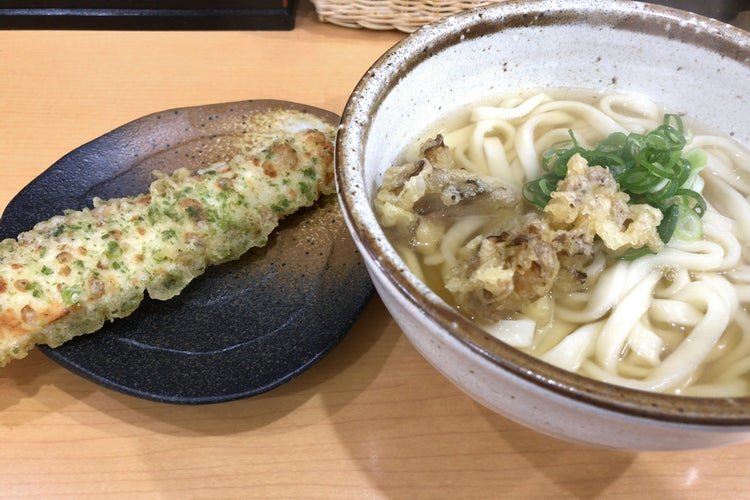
point(70, 274)
point(596, 232)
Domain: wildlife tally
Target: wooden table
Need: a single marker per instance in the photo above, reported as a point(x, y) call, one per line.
point(372, 420)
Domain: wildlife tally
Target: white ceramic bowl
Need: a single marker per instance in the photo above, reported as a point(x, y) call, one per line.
point(688, 63)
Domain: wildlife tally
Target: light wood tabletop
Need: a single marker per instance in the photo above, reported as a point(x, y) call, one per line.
point(371, 420)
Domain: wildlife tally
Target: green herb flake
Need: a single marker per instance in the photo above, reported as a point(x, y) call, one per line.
point(282, 205)
point(153, 215)
point(193, 212)
point(70, 295)
point(113, 249)
point(35, 289)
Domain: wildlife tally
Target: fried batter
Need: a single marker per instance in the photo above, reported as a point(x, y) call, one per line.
point(71, 273)
point(589, 200)
point(527, 258)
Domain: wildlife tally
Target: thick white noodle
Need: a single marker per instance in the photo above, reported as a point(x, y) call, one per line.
point(525, 143)
point(719, 301)
point(680, 300)
point(675, 312)
point(501, 113)
point(595, 117)
point(628, 311)
point(578, 345)
point(457, 236)
point(638, 113)
point(516, 332)
point(728, 201)
point(497, 161)
point(725, 156)
point(601, 298)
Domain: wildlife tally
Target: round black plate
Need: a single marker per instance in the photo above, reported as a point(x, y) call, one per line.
point(242, 328)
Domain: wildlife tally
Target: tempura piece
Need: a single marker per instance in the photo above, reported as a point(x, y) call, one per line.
point(588, 199)
point(433, 186)
point(70, 274)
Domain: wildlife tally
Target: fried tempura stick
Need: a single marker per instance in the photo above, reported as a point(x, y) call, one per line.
point(71, 273)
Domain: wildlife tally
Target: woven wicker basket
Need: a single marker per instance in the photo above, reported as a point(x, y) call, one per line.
point(402, 15)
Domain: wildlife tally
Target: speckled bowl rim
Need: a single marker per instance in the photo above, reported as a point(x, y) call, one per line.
point(405, 55)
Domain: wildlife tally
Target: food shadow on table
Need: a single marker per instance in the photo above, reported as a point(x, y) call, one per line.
point(231, 417)
point(399, 446)
point(372, 391)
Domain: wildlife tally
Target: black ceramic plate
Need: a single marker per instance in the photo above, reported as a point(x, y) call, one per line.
point(242, 328)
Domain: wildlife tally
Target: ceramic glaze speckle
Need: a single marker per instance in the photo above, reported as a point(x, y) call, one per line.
point(690, 64)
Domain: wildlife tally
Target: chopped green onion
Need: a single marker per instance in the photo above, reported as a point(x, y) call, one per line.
point(650, 168)
point(634, 253)
point(689, 226)
point(669, 222)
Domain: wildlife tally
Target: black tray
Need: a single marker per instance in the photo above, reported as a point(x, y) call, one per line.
point(148, 15)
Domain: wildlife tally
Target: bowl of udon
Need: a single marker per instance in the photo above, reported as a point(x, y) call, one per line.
point(552, 200)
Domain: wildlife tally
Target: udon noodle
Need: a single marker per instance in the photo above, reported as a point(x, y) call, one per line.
point(676, 321)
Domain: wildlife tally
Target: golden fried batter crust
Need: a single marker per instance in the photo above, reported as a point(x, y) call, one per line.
point(71, 273)
point(496, 274)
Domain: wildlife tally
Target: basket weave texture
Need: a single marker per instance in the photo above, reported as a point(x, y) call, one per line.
point(402, 15)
